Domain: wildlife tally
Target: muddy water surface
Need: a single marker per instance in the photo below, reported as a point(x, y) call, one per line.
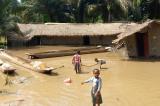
point(125, 83)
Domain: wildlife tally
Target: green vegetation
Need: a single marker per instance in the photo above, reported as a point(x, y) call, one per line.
point(75, 11)
point(3, 42)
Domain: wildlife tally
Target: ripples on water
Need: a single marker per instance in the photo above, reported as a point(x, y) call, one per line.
point(125, 83)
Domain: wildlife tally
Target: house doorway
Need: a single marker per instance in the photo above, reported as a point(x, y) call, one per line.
point(142, 44)
point(86, 40)
point(34, 41)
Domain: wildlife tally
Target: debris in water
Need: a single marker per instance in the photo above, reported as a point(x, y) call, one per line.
point(20, 80)
point(68, 80)
point(6, 92)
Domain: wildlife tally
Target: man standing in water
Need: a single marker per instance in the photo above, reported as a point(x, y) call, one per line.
point(76, 61)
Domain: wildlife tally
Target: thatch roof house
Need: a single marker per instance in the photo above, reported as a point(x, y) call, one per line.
point(70, 33)
point(141, 40)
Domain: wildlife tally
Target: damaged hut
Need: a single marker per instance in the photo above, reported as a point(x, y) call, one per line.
point(68, 34)
point(141, 40)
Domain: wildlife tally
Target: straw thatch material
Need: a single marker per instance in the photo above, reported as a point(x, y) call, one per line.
point(14, 36)
point(71, 29)
point(131, 30)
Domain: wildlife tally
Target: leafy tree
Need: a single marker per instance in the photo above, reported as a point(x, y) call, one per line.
point(151, 8)
point(106, 10)
point(53, 10)
point(6, 20)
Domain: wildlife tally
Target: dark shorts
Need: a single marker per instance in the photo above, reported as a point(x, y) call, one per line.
point(96, 99)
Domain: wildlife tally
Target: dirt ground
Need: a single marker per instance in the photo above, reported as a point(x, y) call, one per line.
point(125, 83)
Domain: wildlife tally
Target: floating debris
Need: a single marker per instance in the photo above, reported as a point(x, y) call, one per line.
point(6, 92)
point(20, 80)
point(17, 102)
point(68, 80)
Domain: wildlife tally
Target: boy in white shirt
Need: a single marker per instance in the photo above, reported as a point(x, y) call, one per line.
point(96, 87)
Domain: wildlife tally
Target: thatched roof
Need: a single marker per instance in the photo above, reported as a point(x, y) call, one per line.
point(12, 35)
point(130, 30)
point(72, 29)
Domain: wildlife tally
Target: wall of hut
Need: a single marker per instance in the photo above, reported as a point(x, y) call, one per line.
point(61, 40)
point(102, 40)
point(154, 40)
point(73, 40)
point(33, 42)
point(153, 32)
point(20, 43)
point(12, 43)
point(131, 46)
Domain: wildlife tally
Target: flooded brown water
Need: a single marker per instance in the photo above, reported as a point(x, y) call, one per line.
point(125, 83)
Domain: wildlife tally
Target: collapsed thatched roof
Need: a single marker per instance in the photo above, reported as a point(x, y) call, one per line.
point(12, 35)
point(130, 30)
point(72, 29)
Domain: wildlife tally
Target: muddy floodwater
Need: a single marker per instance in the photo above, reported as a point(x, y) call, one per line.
point(125, 83)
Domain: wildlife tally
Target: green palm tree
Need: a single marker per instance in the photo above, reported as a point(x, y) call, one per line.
point(5, 20)
point(153, 8)
point(109, 9)
point(144, 9)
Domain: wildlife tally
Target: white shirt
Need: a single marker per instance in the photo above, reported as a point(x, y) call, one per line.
point(96, 83)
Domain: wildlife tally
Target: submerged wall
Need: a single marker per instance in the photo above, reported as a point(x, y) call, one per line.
point(75, 40)
point(63, 40)
point(131, 46)
point(15, 43)
point(102, 40)
point(154, 40)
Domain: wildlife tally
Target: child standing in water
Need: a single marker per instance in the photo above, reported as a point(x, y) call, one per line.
point(100, 62)
point(96, 87)
point(76, 61)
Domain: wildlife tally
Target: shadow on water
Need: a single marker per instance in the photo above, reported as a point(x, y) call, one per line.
point(52, 74)
point(104, 69)
point(13, 74)
point(83, 72)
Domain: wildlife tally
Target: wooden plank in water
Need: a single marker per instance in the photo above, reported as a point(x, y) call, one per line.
point(22, 62)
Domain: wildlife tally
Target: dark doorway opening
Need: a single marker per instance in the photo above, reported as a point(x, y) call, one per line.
point(142, 44)
point(86, 40)
point(34, 41)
